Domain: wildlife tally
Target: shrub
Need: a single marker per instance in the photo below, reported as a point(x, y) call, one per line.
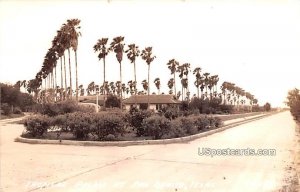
point(79, 124)
point(112, 101)
point(188, 125)
point(201, 122)
point(176, 129)
point(17, 110)
point(104, 125)
point(156, 126)
point(6, 109)
point(59, 123)
point(184, 106)
point(63, 107)
point(37, 125)
point(171, 113)
point(135, 119)
point(226, 108)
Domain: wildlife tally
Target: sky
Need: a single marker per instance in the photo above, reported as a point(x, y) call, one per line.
point(254, 44)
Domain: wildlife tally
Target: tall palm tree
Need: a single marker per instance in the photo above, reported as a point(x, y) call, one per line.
point(101, 46)
point(206, 82)
point(67, 40)
point(171, 85)
point(132, 53)
point(173, 65)
point(198, 76)
point(148, 57)
point(74, 34)
point(117, 45)
point(157, 84)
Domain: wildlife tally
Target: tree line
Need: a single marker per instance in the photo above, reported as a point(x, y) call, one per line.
point(46, 88)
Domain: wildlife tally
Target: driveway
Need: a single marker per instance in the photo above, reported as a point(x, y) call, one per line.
point(172, 167)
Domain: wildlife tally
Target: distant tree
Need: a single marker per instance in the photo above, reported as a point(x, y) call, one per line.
point(112, 101)
point(293, 101)
point(267, 106)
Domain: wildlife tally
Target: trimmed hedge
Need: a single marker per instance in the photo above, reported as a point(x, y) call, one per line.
point(110, 126)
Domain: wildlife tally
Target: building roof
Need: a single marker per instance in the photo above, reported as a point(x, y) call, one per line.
point(153, 99)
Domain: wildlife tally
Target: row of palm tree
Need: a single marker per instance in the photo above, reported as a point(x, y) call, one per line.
point(203, 81)
point(236, 95)
point(65, 40)
point(117, 46)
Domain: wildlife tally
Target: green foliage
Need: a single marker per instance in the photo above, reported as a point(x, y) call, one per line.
point(156, 126)
point(37, 125)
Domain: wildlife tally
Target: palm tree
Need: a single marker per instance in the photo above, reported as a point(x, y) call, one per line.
point(147, 56)
point(112, 88)
point(198, 76)
point(206, 82)
point(117, 45)
point(132, 53)
point(91, 88)
point(173, 65)
point(74, 34)
point(67, 40)
point(171, 85)
point(103, 51)
point(157, 84)
point(81, 90)
point(145, 85)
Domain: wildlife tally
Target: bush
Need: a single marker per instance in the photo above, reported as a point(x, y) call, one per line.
point(188, 125)
point(17, 110)
point(135, 119)
point(6, 109)
point(112, 101)
point(156, 126)
point(63, 107)
point(37, 125)
point(79, 124)
point(226, 108)
point(104, 125)
point(171, 113)
point(176, 129)
point(201, 122)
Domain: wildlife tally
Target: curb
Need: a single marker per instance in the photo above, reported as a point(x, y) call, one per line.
point(140, 142)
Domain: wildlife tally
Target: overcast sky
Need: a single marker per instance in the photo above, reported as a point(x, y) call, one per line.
point(254, 44)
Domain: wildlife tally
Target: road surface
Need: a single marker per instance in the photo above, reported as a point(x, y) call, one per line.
point(172, 167)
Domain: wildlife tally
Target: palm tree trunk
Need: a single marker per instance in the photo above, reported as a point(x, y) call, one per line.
point(70, 74)
point(121, 105)
point(76, 75)
point(65, 70)
point(198, 92)
point(148, 86)
point(61, 78)
point(135, 89)
point(104, 88)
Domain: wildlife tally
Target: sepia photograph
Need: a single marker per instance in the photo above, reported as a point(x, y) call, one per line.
point(150, 95)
